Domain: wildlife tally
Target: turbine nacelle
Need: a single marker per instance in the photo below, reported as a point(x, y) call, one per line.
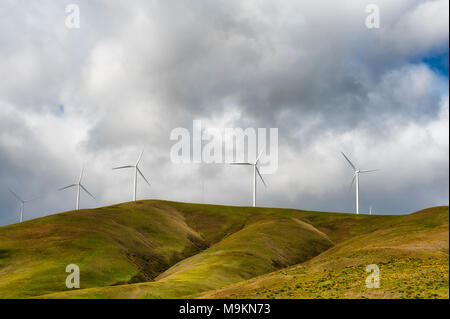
point(255, 171)
point(356, 173)
point(137, 171)
point(22, 203)
point(80, 187)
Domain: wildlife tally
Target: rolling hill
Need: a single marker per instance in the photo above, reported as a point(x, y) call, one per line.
point(159, 249)
point(411, 253)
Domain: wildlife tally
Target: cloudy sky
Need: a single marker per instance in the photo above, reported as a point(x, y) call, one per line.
point(135, 70)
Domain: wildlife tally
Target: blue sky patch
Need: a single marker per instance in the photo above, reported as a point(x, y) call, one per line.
point(438, 63)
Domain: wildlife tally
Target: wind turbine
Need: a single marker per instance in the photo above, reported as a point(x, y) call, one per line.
point(22, 203)
point(356, 173)
point(79, 187)
point(255, 170)
point(370, 210)
point(136, 171)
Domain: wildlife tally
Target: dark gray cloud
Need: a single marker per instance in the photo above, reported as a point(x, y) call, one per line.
point(136, 70)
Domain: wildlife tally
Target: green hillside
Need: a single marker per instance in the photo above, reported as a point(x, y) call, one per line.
point(114, 245)
point(412, 254)
point(158, 249)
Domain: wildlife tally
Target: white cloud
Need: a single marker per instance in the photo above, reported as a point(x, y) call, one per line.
point(134, 71)
point(421, 28)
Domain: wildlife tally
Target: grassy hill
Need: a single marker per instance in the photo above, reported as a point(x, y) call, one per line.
point(114, 245)
point(159, 249)
point(412, 254)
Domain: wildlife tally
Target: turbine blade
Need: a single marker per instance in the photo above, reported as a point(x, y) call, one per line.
point(351, 185)
point(34, 198)
point(143, 176)
point(140, 157)
point(87, 191)
point(81, 174)
point(260, 176)
point(15, 195)
point(368, 170)
point(127, 166)
point(257, 159)
point(351, 164)
point(63, 188)
point(240, 163)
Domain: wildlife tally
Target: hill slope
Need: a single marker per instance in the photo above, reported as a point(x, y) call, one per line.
point(256, 249)
point(112, 245)
point(158, 249)
point(412, 254)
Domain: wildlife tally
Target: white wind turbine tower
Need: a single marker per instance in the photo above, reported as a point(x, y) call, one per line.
point(136, 171)
point(22, 204)
point(255, 170)
point(356, 173)
point(79, 187)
